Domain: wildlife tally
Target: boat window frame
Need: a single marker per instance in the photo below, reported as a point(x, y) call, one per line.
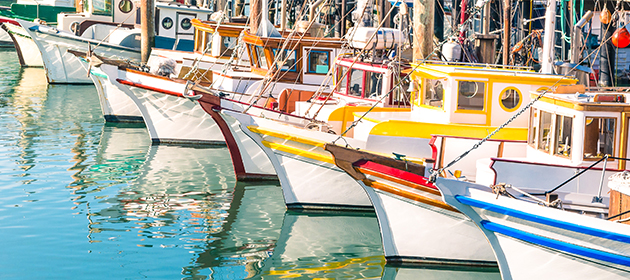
point(614, 140)
point(556, 138)
point(518, 94)
point(540, 137)
point(257, 50)
point(102, 12)
point(340, 79)
point(468, 110)
point(423, 91)
point(294, 66)
point(308, 60)
point(532, 129)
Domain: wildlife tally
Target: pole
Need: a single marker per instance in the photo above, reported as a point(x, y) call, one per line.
point(423, 28)
point(506, 32)
point(342, 29)
point(147, 32)
point(550, 32)
point(607, 55)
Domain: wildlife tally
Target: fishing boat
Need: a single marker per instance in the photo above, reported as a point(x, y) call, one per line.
point(573, 130)
point(118, 40)
point(298, 151)
point(533, 241)
point(46, 11)
point(119, 104)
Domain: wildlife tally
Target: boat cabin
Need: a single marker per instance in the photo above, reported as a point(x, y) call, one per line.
point(222, 46)
point(578, 129)
point(365, 82)
point(475, 94)
point(307, 60)
point(96, 19)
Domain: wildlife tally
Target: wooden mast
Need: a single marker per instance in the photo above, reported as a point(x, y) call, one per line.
point(506, 31)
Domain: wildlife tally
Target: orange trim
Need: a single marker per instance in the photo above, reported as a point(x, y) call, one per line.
point(399, 181)
point(408, 195)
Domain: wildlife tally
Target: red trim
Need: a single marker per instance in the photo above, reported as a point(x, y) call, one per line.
point(8, 20)
point(401, 174)
point(434, 149)
point(134, 84)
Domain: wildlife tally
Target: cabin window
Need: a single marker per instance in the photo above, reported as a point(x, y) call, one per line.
point(599, 137)
point(356, 82)
point(318, 62)
point(510, 99)
point(186, 24)
point(290, 63)
point(373, 85)
point(102, 7)
point(167, 23)
point(125, 6)
point(342, 79)
point(262, 59)
point(433, 93)
point(470, 95)
point(544, 136)
point(533, 127)
point(564, 127)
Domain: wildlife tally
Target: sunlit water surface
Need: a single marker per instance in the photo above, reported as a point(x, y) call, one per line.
point(83, 200)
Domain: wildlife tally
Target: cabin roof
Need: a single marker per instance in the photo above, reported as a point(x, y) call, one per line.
point(440, 70)
point(589, 100)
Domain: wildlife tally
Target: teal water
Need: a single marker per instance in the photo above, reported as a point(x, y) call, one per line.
point(80, 199)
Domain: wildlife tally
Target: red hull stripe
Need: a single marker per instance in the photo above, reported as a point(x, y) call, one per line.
point(130, 83)
point(6, 20)
point(397, 173)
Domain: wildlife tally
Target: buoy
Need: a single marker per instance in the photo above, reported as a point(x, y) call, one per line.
point(604, 16)
point(621, 38)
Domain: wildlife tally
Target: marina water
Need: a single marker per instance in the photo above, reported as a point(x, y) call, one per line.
point(81, 199)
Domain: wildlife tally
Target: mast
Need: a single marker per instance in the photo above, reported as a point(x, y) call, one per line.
point(506, 31)
point(550, 30)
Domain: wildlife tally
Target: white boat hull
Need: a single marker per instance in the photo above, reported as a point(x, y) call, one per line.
point(115, 104)
point(63, 67)
point(536, 242)
point(27, 51)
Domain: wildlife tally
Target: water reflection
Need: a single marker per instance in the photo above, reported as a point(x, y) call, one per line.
point(440, 273)
point(327, 245)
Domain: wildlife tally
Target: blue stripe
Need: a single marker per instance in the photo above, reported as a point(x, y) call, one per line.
point(543, 220)
point(558, 245)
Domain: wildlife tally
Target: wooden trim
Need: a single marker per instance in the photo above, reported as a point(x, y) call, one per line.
point(409, 195)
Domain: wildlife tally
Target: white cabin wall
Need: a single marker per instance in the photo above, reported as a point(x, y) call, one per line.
point(500, 115)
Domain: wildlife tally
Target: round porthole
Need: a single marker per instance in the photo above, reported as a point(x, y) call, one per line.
point(167, 23)
point(510, 99)
point(125, 6)
point(186, 24)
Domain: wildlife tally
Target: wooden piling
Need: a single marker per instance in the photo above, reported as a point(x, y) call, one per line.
point(147, 31)
point(423, 28)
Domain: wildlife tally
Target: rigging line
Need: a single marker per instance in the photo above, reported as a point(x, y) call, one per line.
point(356, 57)
point(208, 46)
point(272, 71)
point(112, 31)
point(424, 60)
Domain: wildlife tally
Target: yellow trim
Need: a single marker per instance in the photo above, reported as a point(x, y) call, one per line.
point(431, 107)
point(489, 103)
point(299, 152)
point(426, 130)
point(520, 99)
point(470, 112)
point(328, 266)
point(345, 114)
point(286, 136)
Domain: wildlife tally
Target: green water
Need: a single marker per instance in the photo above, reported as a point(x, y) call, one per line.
point(83, 200)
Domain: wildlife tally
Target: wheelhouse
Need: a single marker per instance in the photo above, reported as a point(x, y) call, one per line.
point(580, 128)
point(475, 94)
point(304, 60)
point(360, 81)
